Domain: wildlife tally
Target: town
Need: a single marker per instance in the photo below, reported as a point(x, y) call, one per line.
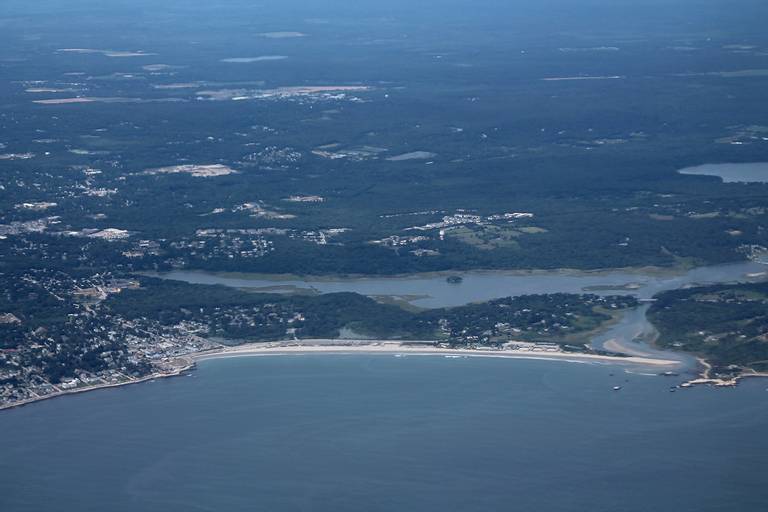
point(68, 331)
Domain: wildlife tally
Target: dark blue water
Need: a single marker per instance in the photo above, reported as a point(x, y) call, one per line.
point(378, 433)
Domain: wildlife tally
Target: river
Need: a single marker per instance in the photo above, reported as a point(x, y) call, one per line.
point(382, 433)
point(631, 334)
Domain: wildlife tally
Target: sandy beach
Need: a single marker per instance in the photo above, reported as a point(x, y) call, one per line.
point(353, 347)
point(395, 348)
point(706, 378)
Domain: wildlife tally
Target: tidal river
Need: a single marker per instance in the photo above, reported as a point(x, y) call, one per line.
point(382, 433)
point(432, 291)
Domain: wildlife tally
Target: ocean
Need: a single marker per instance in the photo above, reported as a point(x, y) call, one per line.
point(383, 433)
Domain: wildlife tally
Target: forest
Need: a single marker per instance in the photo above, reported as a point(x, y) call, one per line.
point(726, 324)
point(246, 316)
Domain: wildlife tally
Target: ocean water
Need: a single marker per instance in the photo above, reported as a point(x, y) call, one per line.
point(380, 433)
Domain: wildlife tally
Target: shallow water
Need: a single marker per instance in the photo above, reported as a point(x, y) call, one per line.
point(433, 291)
point(631, 333)
point(378, 433)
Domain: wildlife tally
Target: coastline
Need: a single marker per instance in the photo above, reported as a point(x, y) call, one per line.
point(395, 347)
point(331, 347)
point(706, 378)
point(353, 347)
point(175, 373)
point(703, 377)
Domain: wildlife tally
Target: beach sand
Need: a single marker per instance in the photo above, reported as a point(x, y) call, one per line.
point(356, 347)
point(389, 347)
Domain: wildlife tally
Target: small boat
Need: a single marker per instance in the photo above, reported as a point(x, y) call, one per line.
point(616, 388)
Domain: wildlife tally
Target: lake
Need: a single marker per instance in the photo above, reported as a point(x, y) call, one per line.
point(379, 433)
point(755, 172)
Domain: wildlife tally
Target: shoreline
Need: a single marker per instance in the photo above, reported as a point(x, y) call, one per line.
point(86, 389)
point(705, 377)
point(189, 362)
point(395, 347)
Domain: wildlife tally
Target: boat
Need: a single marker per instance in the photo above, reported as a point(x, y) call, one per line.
point(616, 388)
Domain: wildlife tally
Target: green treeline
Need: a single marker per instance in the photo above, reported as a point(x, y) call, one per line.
point(238, 314)
point(727, 324)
